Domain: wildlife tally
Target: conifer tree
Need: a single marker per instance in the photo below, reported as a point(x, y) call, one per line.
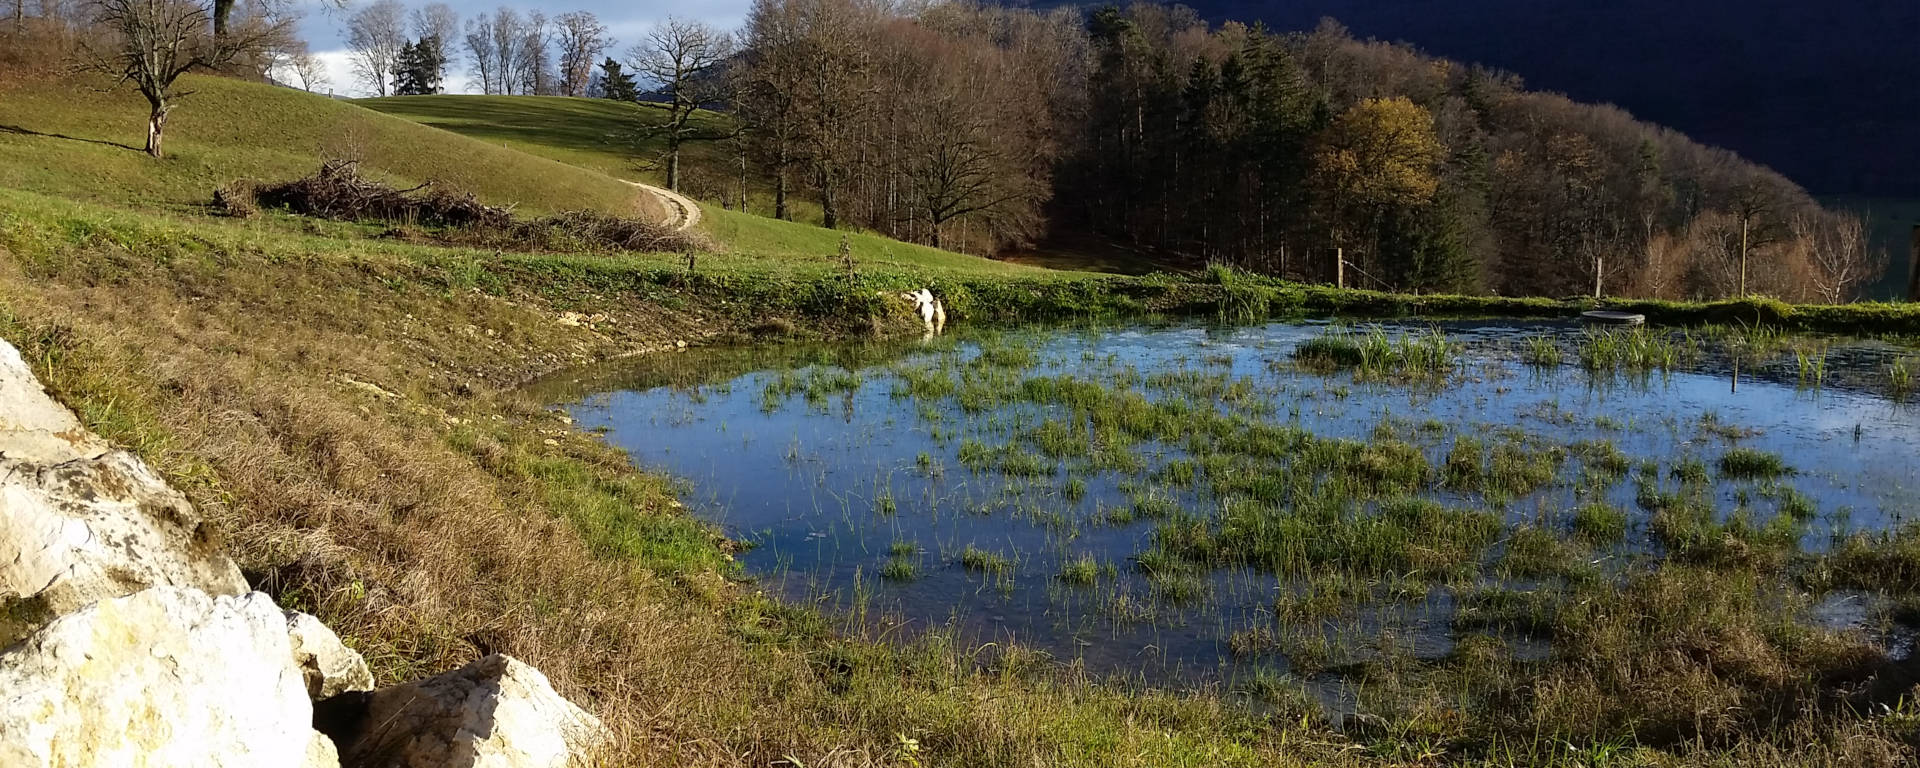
point(615, 83)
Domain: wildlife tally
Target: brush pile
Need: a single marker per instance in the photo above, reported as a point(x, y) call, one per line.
point(572, 231)
point(338, 192)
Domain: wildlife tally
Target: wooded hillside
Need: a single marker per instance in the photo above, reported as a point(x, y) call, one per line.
point(982, 127)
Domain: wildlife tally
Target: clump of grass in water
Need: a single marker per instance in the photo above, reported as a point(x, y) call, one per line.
point(1900, 378)
point(1082, 571)
point(1429, 353)
point(900, 568)
point(1541, 352)
point(980, 560)
point(1599, 523)
point(1813, 367)
point(1464, 463)
point(1635, 349)
point(1752, 464)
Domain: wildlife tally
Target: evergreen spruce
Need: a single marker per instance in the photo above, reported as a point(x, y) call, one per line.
point(615, 83)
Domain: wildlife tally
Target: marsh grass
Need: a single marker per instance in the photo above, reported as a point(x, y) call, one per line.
point(1428, 353)
point(1638, 349)
point(1752, 464)
point(992, 563)
point(1900, 378)
point(1541, 352)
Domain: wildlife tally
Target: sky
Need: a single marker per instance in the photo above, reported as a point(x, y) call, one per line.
point(325, 29)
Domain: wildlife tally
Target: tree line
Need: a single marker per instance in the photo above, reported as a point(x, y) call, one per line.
point(1311, 155)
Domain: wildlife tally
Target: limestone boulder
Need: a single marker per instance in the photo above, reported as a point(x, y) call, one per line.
point(83, 521)
point(327, 665)
point(495, 712)
point(163, 677)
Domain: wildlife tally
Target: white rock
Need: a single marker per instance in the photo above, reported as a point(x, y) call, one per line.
point(495, 712)
point(328, 665)
point(164, 677)
point(84, 522)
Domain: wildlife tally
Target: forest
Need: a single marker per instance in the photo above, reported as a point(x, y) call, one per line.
point(1310, 155)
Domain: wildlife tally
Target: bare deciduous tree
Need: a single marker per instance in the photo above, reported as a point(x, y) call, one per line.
point(1839, 258)
point(440, 21)
point(509, 64)
point(582, 39)
point(151, 43)
point(480, 41)
point(536, 60)
point(682, 59)
point(375, 35)
point(296, 65)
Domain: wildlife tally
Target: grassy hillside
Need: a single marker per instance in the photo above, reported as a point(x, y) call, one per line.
point(609, 137)
point(71, 138)
point(590, 133)
point(606, 136)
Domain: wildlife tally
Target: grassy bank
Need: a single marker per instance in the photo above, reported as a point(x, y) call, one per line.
point(79, 139)
point(344, 410)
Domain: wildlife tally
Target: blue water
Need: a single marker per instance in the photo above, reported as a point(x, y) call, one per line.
point(807, 482)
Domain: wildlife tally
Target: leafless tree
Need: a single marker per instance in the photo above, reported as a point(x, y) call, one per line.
point(440, 21)
point(509, 35)
point(375, 35)
point(582, 39)
point(151, 43)
point(296, 65)
point(1838, 254)
point(775, 65)
point(536, 59)
point(682, 59)
point(480, 41)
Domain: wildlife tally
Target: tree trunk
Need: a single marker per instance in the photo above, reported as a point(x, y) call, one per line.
point(1340, 267)
point(673, 167)
point(780, 193)
point(1599, 267)
point(221, 10)
point(743, 178)
point(935, 234)
point(829, 217)
point(1743, 257)
point(156, 122)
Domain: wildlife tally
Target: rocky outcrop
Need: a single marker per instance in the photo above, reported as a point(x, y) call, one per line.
point(84, 521)
point(328, 667)
point(164, 677)
point(494, 712)
point(128, 639)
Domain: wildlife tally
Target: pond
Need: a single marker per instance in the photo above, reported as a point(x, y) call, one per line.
point(1191, 503)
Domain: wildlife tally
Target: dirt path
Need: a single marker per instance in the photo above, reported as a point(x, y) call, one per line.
point(686, 212)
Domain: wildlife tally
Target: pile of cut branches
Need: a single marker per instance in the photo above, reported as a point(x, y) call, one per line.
point(448, 216)
point(338, 191)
